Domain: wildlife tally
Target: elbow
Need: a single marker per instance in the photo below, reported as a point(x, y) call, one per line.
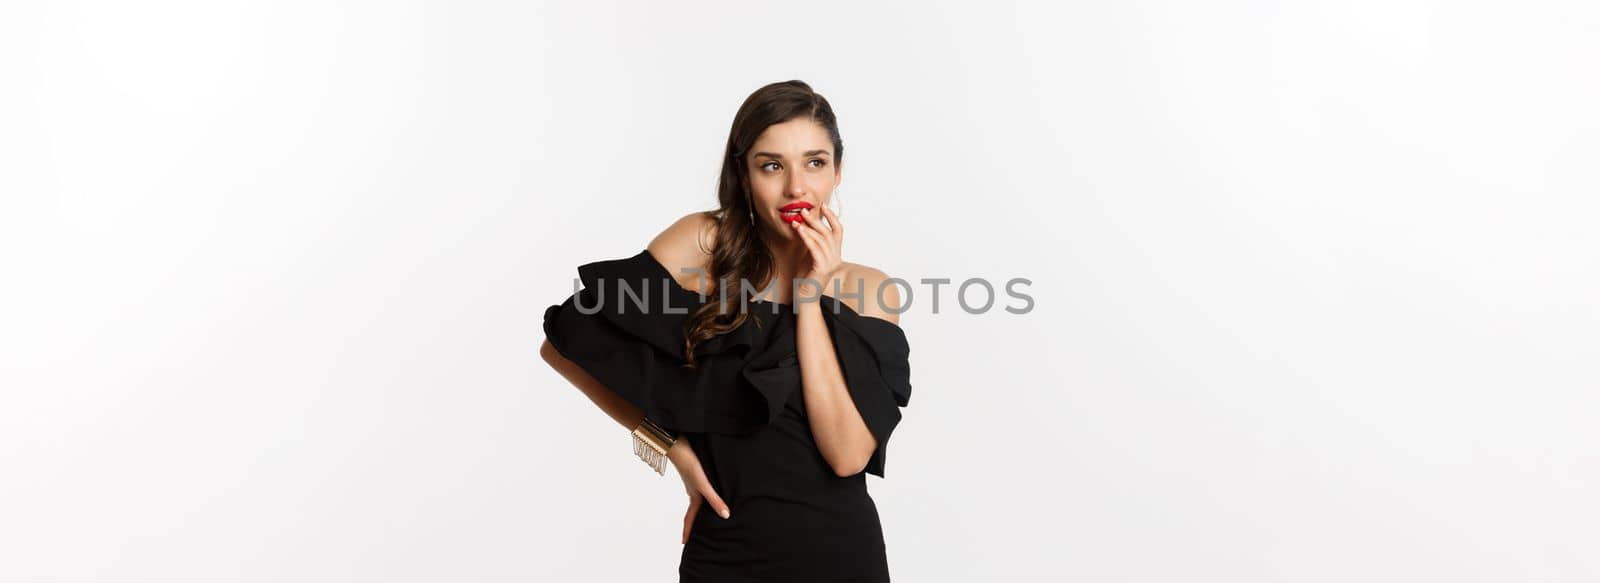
point(849, 469)
point(852, 464)
point(548, 352)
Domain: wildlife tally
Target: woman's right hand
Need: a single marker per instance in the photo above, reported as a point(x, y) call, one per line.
point(694, 483)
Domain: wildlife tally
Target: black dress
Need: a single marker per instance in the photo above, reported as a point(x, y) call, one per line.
point(743, 413)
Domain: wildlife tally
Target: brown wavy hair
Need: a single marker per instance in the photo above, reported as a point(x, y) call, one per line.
point(738, 253)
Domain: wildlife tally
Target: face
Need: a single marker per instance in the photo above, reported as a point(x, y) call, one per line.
point(790, 165)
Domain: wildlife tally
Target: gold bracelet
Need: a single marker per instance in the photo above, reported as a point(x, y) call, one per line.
point(650, 443)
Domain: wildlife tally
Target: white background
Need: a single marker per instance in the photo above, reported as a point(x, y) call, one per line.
point(1314, 282)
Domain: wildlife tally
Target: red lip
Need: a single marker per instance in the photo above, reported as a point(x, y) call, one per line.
point(794, 206)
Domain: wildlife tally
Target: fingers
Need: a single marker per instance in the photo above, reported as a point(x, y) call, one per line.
point(816, 237)
point(703, 495)
point(823, 232)
point(822, 242)
point(715, 501)
point(810, 236)
point(833, 221)
point(830, 234)
point(688, 519)
point(816, 247)
point(807, 217)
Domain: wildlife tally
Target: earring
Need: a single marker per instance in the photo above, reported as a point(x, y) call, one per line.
point(750, 207)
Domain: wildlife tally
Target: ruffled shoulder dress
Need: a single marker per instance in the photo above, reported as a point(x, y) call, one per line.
point(743, 413)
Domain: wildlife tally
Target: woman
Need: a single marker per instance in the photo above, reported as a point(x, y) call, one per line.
point(742, 348)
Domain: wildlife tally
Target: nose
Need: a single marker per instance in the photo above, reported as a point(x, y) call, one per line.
point(796, 187)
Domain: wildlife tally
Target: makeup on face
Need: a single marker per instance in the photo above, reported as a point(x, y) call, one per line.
point(790, 213)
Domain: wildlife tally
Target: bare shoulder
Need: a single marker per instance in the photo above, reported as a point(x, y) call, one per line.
point(876, 299)
point(686, 245)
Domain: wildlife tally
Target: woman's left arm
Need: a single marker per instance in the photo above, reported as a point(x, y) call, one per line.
point(841, 434)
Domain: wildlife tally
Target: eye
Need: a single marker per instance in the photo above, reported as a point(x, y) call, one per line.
point(823, 162)
point(764, 166)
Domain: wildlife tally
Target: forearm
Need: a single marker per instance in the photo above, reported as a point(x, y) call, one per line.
point(841, 434)
point(618, 408)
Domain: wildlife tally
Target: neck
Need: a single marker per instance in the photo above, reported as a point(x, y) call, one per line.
point(786, 257)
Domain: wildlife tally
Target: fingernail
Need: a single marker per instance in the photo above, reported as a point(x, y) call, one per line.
point(725, 513)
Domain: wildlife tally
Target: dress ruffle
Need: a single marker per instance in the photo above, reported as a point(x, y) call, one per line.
point(625, 327)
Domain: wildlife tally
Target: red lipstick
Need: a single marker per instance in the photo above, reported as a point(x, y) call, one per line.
point(791, 212)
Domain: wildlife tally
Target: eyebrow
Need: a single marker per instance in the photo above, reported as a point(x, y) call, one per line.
point(780, 156)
